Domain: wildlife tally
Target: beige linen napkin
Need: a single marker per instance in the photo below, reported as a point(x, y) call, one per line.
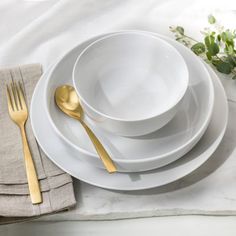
point(56, 185)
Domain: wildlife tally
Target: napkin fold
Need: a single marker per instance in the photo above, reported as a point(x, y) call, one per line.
point(56, 186)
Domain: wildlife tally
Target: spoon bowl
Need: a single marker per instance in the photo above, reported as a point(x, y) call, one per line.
point(68, 102)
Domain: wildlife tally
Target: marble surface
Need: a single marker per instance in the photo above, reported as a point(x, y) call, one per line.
point(175, 225)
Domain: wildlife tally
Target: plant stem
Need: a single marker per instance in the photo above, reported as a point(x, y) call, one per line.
point(219, 58)
point(186, 36)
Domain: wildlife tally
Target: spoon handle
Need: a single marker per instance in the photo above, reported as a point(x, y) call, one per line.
point(106, 159)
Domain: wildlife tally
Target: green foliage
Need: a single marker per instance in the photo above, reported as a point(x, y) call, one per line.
point(198, 48)
point(211, 19)
point(223, 67)
point(217, 48)
point(180, 30)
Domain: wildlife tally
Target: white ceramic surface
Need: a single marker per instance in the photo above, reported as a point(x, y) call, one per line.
point(146, 152)
point(130, 83)
point(67, 158)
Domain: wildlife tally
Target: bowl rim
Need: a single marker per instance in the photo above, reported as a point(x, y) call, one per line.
point(168, 108)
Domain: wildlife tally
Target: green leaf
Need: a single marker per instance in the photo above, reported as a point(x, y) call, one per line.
point(218, 37)
point(230, 59)
point(211, 19)
point(213, 49)
point(229, 42)
point(180, 30)
point(234, 77)
point(224, 67)
point(209, 39)
point(198, 48)
point(234, 33)
point(223, 36)
point(208, 56)
point(229, 35)
point(230, 50)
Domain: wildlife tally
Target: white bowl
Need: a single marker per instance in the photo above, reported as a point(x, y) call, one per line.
point(131, 83)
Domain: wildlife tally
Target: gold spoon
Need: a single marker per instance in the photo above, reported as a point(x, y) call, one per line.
point(68, 101)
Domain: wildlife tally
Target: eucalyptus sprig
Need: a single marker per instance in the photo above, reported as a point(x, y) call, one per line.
point(217, 48)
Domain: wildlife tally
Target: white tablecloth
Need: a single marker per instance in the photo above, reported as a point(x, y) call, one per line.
point(43, 30)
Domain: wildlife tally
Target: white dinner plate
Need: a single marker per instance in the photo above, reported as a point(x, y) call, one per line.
point(67, 158)
point(133, 154)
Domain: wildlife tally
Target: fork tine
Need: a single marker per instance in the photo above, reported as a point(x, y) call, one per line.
point(9, 101)
point(13, 100)
point(17, 98)
point(21, 96)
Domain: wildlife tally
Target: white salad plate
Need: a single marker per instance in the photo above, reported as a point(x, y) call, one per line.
point(125, 82)
point(66, 157)
point(133, 154)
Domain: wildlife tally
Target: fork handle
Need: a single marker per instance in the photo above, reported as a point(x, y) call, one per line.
point(34, 189)
point(107, 161)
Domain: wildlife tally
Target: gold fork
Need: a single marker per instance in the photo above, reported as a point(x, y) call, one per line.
point(19, 114)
